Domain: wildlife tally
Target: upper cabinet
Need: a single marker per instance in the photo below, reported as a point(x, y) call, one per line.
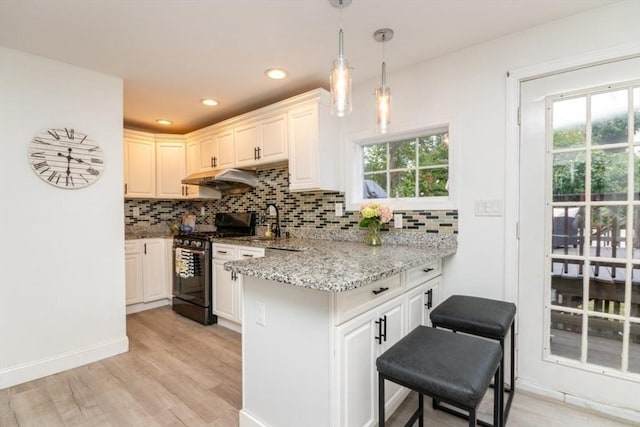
point(261, 142)
point(139, 164)
point(171, 167)
point(216, 149)
point(314, 150)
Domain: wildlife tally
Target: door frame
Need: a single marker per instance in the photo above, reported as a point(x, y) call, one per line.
point(512, 180)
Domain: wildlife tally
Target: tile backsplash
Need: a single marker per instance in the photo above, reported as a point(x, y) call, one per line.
point(297, 210)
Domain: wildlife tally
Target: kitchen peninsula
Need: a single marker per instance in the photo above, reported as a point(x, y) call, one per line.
point(316, 315)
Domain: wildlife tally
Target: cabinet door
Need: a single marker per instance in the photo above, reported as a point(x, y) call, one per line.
point(247, 142)
point(207, 155)
point(139, 165)
point(303, 143)
point(224, 149)
point(415, 308)
point(170, 265)
point(133, 272)
point(357, 379)
point(243, 253)
point(224, 301)
point(170, 169)
point(274, 139)
point(394, 318)
point(431, 298)
point(154, 270)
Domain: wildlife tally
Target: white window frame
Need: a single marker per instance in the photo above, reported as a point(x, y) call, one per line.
point(355, 175)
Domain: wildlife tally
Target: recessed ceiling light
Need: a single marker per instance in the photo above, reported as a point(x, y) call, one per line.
point(164, 122)
point(276, 73)
point(210, 102)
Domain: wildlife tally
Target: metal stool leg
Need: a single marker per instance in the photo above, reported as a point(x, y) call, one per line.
point(380, 400)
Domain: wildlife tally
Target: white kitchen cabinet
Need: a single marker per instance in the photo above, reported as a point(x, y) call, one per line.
point(314, 150)
point(227, 287)
point(359, 343)
point(139, 165)
point(146, 273)
point(261, 142)
point(217, 149)
point(424, 293)
point(170, 168)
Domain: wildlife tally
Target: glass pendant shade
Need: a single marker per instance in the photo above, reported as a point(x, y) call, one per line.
point(383, 103)
point(340, 83)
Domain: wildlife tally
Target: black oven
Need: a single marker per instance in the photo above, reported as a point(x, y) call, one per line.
point(192, 277)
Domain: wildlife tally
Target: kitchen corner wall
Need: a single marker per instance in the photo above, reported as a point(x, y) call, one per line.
point(297, 210)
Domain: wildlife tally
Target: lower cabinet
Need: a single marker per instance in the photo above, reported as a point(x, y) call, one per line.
point(146, 272)
point(227, 286)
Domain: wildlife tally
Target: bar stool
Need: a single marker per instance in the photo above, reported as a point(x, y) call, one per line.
point(485, 318)
point(454, 368)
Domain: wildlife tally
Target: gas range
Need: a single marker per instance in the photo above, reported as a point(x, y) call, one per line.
point(227, 225)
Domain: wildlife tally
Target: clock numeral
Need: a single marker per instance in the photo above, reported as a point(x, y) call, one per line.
point(40, 165)
point(72, 183)
point(54, 134)
point(53, 176)
point(94, 160)
point(38, 140)
point(70, 133)
point(58, 179)
point(82, 140)
point(92, 171)
point(85, 179)
point(38, 154)
point(69, 180)
point(44, 170)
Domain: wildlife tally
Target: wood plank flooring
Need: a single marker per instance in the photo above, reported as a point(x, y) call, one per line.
point(180, 373)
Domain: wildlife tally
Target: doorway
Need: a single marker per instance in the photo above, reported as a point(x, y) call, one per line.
point(579, 222)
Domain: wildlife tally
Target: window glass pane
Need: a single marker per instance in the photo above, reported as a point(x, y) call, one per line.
point(605, 342)
point(570, 123)
point(402, 154)
point(403, 184)
point(636, 173)
point(635, 235)
point(375, 157)
point(636, 114)
point(566, 334)
point(433, 150)
point(375, 186)
point(635, 292)
point(634, 348)
point(566, 283)
point(569, 176)
point(567, 230)
point(609, 174)
point(606, 287)
point(608, 234)
point(433, 182)
point(609, 117)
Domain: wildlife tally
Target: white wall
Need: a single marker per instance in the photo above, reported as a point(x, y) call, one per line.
point(62, 256)
point(468, 89)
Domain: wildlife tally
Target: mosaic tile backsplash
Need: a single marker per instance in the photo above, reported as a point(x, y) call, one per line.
point(297, 210)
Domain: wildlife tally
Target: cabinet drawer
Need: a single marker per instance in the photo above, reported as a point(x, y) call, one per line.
point(352, 303)
point(131, 246)
point(421, 274)
point(244, 253)
point(224, 252)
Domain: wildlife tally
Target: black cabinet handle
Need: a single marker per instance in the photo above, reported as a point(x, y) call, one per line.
point(428, 270)
point(259, 154)
point(379, 337)
point(145, 248)
point(186, 190)
point(247, 255)
point(429, 295)
point(379, 291)
point(384, 328)
point(255, 153)
point(125, 188)
point(222, 252)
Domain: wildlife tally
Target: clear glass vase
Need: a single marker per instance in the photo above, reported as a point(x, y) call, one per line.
point(373, 237)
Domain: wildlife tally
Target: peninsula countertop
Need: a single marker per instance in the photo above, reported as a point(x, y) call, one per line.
point(330, 265)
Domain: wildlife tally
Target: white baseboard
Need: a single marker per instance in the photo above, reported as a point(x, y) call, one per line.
point(136, 308)
point(230, 325)
point(61, 362)
point(248, 420)
point(607, 410)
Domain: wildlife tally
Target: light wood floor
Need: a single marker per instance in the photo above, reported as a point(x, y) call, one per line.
point(180, 373)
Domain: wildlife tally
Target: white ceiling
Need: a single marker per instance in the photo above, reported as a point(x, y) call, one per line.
point(172, 53)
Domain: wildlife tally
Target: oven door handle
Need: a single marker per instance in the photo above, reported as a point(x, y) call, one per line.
point(194, 251)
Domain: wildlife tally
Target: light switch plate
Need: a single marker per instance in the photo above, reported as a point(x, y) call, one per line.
point(488, 207)
point(203, 211)
point(397, 220)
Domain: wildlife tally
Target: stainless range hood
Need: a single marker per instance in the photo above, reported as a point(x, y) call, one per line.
point(227, 181)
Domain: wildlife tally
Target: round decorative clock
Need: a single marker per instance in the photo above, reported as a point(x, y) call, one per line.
point(66, 158)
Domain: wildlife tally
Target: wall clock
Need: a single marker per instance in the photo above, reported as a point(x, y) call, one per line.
point(66, 158)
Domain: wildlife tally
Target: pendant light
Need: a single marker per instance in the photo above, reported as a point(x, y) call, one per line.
point(383, 93)
point(340, 77)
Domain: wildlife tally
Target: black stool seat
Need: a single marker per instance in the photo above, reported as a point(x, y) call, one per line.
point(478, 316)
point(454, 368)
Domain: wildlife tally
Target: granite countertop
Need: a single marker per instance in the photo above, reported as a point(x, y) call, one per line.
point(333, 266)
point(130, 235)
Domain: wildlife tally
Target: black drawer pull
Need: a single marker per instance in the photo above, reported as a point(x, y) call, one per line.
point(222, 252)
point(428, 270)
point(379, 291)
point(247, 255)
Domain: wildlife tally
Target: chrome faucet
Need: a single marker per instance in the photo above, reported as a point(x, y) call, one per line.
point(272, 208)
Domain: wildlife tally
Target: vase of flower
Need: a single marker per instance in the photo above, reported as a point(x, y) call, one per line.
point(373, 237)
point(373, 216)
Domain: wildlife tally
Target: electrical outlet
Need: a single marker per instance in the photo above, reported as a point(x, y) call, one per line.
point(338, 209)
point(136, 211)
point(397, 220)
point(203, 212)
point(261, 314)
